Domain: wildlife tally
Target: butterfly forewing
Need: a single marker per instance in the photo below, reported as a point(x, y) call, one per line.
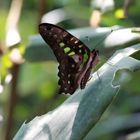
point(74, 58)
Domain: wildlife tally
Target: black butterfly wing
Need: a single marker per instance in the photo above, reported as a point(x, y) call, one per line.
point(73, 56)
point(59, 39)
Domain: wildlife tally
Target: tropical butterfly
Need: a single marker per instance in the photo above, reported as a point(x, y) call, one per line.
point(75, 58)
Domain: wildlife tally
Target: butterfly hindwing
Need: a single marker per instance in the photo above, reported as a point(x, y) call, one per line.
point(75, 59)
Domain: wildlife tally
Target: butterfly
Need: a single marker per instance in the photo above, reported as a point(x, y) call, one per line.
point(74, 57)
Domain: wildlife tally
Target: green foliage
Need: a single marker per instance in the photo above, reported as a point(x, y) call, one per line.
point(84, 115)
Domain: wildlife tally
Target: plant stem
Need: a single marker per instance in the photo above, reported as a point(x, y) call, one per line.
point(12, 101)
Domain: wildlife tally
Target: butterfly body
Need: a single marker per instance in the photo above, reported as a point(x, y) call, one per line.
point(75, 59)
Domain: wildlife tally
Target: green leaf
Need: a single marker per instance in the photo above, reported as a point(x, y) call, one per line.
point(81, 111)
point(114, 124)
point(122, 38)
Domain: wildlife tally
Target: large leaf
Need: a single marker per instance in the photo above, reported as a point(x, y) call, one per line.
point(81, 111)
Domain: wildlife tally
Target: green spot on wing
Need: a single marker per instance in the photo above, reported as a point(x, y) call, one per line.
point(67, 49)
point(72, 53)
point(61, 44)
point(85, 57)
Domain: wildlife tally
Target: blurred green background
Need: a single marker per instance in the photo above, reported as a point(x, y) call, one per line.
point(36, 87)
